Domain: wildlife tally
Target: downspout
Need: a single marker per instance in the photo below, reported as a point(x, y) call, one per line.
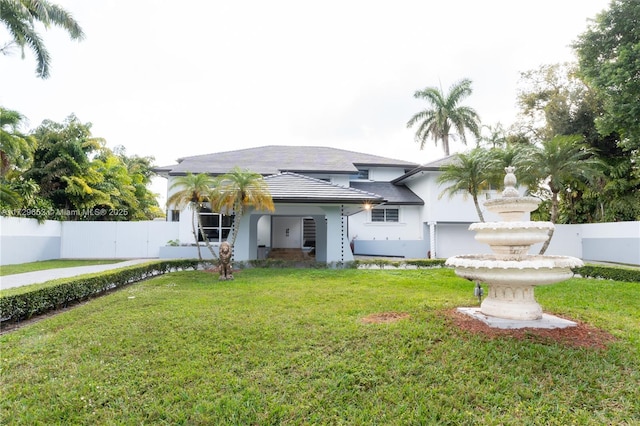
point(432, 239)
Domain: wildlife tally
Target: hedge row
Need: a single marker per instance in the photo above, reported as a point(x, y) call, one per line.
point(382, 263)
point(18, 307)
point(609, 273)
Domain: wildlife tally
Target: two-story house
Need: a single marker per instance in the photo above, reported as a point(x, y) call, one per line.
point(329, 200)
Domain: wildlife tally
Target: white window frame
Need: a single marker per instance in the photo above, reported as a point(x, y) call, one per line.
point(385, 215)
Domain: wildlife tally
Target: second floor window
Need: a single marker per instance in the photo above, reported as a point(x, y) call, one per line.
point(385, 215)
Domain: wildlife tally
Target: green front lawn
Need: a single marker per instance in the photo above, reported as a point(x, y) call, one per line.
point(52, 264)
point(285, 346)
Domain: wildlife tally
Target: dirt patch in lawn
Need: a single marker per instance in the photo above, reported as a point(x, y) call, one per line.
point(580, 336)
point(384, 317)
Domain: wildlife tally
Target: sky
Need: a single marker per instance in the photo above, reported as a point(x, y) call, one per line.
point(174, 79)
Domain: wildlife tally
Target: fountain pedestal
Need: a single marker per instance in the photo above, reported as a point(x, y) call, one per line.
point(510, 272)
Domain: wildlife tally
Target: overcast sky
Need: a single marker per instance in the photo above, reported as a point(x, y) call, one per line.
point(173, 79)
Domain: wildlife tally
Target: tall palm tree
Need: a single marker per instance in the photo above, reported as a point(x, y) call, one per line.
point(556, 165)
point(20, 17)
point(239, 189)
point(470, 173)
point(194, 191)
point(444, 115)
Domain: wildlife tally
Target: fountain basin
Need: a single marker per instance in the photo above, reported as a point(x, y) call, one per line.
point(511, 240)
point(512, 208)
point(511, 282)
point(530, 270)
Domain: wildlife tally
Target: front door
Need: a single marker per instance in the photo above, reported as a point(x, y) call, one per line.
point(286, 232)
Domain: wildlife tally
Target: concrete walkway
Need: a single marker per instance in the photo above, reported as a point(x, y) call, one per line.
point(36, 277)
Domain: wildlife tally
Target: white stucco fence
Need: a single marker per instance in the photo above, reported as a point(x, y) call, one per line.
point(25, 240)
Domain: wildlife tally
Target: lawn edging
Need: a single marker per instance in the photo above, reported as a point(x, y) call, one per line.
point(58, 294)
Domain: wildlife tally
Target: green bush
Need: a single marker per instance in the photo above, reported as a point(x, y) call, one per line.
point(609, 273)
point(43, 299)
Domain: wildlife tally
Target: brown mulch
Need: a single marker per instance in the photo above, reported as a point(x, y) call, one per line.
point(384, 317)
point(580, 336)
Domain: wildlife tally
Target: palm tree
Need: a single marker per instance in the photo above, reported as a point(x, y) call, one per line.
point(557, 164)
point(496, 138)
point(445, 114)
point(20, 17)
point(194, 191)
point(16, 148)
point(470, 173)
point(239, 189)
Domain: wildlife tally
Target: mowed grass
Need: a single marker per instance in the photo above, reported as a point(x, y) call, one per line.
point(51, 264)
point(285, 346)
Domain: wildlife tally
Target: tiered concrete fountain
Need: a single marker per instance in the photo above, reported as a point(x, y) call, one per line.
point(510, 272)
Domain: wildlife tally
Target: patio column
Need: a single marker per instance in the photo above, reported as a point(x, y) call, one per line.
point(338, 249)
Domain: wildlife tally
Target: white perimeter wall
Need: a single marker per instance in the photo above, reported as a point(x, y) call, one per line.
point(118, 240)
point(25, 240)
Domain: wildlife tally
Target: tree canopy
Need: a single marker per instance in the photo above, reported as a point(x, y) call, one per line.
point(609, 59)
point(61, 171)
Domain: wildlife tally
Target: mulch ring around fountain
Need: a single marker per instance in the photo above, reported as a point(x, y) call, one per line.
point(580, 336)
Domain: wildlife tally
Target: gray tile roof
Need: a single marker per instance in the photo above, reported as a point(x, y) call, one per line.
point(429, 167)
point(272, 159)
point(295, 188)
point(394, 194)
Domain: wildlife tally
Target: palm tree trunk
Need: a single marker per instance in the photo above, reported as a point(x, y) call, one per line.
point(193, 228)
point(445, 144)
point(236, 224)
point(554, 218)
point(477, 204)
point(205, 238)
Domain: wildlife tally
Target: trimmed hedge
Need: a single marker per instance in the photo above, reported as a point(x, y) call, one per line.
point(18, 307)
point(609, 273)
point(418, 263)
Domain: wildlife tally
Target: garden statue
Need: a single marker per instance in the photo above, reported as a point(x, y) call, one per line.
point(226, 272)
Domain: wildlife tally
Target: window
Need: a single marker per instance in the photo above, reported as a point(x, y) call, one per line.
point(385, 215)
point(216, 226)
point(361, 175)
point(175, 216)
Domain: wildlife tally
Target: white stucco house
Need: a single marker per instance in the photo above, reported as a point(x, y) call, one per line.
point(327, 198)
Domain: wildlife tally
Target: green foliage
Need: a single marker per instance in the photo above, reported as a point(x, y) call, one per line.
point(469, 173)
point(444, 115)
point(238, 190)
point(609, 273)
point(284, 346)
point(71, 175)
point(194, 191)
point(23, 303)
point(609, 59)
point(20, 17)
point(555, 101)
